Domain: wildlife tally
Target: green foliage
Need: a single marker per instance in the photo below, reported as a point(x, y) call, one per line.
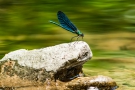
point(31, 17)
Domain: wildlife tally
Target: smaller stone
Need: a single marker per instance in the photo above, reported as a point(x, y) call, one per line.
point(92, 88)
point(92, 83)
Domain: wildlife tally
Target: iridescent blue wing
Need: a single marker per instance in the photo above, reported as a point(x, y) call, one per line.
point(65, 22)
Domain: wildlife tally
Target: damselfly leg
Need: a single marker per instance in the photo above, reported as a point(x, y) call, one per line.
point(73, 37)
point(77, 37)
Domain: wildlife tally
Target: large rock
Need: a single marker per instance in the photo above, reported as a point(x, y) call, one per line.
point(62, 61)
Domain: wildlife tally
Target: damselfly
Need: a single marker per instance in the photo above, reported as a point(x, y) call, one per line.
point(66, 24)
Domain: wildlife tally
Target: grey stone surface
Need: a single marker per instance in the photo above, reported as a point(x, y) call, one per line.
point(52, 58)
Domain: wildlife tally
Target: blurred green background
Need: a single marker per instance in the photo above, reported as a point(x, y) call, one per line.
point(108, 26)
